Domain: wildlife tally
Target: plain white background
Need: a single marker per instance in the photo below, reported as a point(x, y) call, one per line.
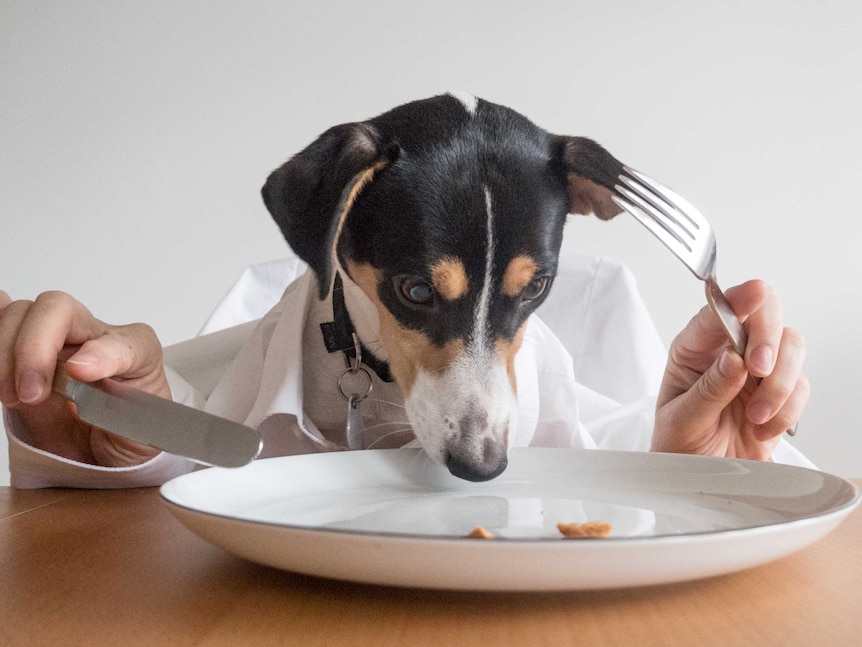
point(134, 137)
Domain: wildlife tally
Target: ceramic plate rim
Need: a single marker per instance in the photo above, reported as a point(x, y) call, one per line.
point(815, 522)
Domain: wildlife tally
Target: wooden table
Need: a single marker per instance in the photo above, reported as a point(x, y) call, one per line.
point(115, 568)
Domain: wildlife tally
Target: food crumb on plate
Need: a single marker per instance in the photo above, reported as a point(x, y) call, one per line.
point(588, 530)
point(480, 532)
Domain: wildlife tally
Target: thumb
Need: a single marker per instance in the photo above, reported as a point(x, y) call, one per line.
point(716, 388)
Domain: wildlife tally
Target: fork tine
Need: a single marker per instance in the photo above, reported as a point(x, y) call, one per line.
point(682, 206)
point(656, 226)
point(670, 218)
point(653, 201)
point(658, 219)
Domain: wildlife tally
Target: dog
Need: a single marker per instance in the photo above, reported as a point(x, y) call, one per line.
point(435, 230)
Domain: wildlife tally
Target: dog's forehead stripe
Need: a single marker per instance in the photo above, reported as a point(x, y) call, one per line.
point(519, 273)
point(449, 278)
point(469, 102)
point(480, 331)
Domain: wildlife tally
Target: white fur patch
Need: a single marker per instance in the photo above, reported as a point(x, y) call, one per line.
point(438, 404)
point(469, 102)
point(482, 306)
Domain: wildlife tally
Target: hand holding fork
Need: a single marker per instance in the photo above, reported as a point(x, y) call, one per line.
point(778, 354)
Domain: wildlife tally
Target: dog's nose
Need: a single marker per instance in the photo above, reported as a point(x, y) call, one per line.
point(488, 464)
point(469, 471)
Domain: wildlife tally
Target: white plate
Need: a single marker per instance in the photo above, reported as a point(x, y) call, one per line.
point(395, 517)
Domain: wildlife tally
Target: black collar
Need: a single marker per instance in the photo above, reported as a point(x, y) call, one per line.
point(338, 334)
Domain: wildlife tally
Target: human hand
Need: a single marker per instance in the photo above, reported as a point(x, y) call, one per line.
point(35, 336)
point(709, 402)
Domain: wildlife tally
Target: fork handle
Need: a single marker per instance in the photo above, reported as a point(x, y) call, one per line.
point(729, 321)
point(732, 326)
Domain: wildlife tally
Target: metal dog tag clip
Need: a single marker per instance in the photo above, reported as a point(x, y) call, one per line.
point(355, 425)
point(355, 430)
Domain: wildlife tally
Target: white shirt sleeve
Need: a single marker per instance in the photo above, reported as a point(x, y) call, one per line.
point(34, 468)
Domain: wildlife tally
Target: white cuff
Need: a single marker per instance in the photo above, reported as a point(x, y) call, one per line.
point(32, 468)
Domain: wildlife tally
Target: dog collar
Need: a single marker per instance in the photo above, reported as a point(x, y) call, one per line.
point(338, 334)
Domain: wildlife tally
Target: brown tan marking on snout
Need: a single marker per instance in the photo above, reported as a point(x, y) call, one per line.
point(449, 278)
point(507, 350)
point(409, 350)
point(519, 273)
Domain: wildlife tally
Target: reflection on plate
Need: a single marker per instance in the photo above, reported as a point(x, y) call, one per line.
point(395, 517)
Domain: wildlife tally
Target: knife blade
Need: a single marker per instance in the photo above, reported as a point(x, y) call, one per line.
point(170, 426)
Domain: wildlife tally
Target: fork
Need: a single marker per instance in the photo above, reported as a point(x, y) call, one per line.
point(684, 230)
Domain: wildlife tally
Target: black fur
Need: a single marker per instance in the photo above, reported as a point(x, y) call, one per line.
point(427, 201)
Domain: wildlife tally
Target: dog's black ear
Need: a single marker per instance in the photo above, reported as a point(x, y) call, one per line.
point(310, 195)
point(591, 173)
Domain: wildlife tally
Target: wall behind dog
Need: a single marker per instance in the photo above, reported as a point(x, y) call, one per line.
point(134, 138)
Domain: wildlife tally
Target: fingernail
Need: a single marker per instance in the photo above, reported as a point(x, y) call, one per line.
point(84, 358)
point(759, 412)
point(30, 386)
point(726, 365)
point(762, 359)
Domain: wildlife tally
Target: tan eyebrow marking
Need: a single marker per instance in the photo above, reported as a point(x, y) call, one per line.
point(410, 351)
point(449, 278)
point(521, 270)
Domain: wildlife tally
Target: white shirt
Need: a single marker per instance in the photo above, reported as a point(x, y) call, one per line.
point(587, 373)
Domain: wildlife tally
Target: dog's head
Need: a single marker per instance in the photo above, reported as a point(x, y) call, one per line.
point(449, 214)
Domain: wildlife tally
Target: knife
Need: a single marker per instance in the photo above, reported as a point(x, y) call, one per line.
point(163, 424)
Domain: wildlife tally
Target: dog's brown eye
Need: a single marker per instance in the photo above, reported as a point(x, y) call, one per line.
point(535, 288)
point(416, 290)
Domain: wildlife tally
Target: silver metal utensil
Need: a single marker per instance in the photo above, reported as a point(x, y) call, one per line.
point(166, 425)
point(684, 230)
